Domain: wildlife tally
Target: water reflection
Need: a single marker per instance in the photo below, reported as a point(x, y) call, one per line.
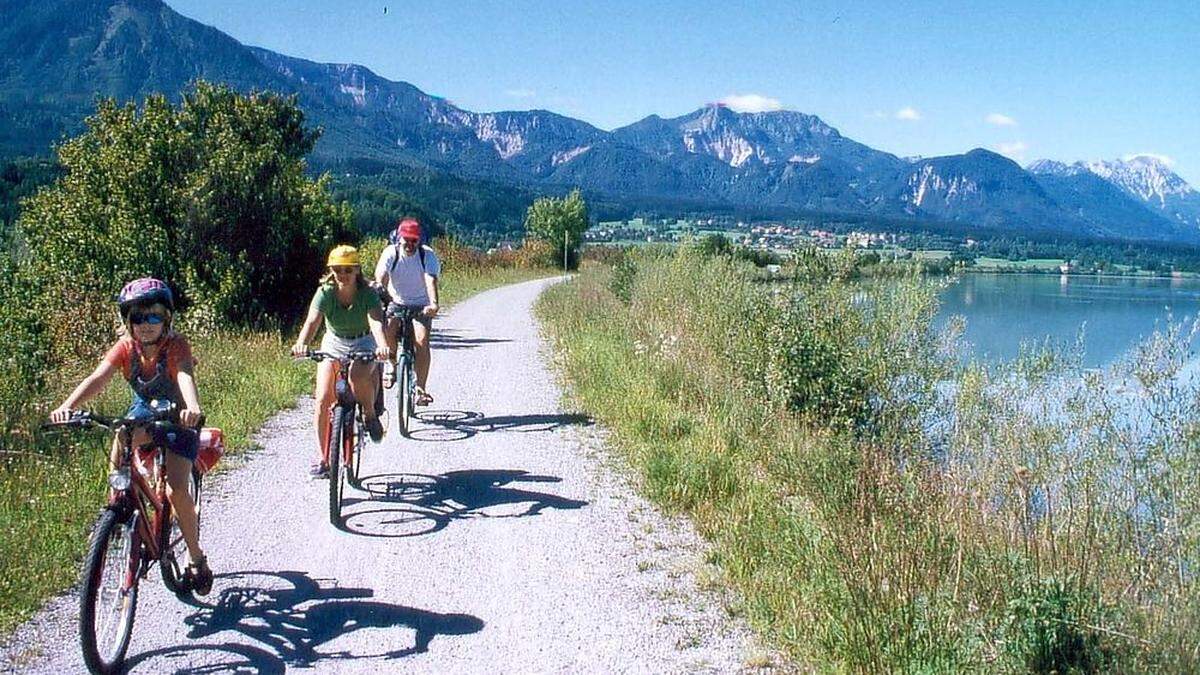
point(1114, 313)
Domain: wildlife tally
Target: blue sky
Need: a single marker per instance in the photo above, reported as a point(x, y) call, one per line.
point(1030, 79)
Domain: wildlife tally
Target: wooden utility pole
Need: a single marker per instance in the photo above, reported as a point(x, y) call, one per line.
point(566, 242)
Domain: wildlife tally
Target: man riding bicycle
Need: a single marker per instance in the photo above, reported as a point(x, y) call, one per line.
point(409, 271)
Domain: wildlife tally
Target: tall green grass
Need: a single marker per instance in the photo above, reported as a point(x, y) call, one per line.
point(878, 508)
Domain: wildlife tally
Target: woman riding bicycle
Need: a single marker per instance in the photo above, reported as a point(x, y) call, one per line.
point(353, 320)
point(157, 362)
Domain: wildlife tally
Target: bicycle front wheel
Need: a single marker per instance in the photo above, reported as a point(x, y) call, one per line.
point(404, 394)
point(355, 451)
point(175, 557)
point(337, 428)
point(108, 591)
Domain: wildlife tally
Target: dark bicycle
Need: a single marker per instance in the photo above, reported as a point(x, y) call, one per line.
point(406, 374)
point(347, 431)
point(135, 530)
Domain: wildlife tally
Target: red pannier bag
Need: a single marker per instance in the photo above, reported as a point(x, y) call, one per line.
point(212, 446)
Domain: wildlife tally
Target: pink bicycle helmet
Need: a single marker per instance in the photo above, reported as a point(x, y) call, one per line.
point(146, 291)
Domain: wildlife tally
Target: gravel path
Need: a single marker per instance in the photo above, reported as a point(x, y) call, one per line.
point(502, 538)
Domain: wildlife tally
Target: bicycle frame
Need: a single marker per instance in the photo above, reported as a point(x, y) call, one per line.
point(404, 335)
point(345, 397)
point(147, 494)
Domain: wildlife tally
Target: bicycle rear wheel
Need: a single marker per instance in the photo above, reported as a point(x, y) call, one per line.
point(404, 394)
point(176, 557)
point(337, 428)
point(108, 591)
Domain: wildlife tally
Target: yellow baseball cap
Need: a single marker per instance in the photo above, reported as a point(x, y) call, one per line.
point(343, 254)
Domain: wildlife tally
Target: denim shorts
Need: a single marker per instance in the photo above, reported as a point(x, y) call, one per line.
point(181, 441)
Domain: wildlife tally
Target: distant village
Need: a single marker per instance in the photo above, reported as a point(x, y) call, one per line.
point(777, 237)
point(781, 238)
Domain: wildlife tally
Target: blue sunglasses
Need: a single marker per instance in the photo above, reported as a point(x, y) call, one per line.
point(152, 319)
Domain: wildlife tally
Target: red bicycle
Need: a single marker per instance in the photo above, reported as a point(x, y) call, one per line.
point(347, 432)
point(135, 530)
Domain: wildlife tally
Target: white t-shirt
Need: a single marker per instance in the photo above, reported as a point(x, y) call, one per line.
point(406, 279)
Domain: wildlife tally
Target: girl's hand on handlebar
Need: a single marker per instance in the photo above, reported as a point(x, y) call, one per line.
point(430, 311)
point(190, 417)
point(60, 415)
point(299, 350)
point(383, 353)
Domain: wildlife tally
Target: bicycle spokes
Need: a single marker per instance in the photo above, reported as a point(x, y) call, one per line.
point(112, 569)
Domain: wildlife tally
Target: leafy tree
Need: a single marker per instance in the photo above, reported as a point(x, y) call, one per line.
point(713, 244)
point(561, 222)
point(211, 196)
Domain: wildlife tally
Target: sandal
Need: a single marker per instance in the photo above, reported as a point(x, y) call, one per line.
point(198, 576)
point(389, 375)
point(423, 397)
point(318, 470)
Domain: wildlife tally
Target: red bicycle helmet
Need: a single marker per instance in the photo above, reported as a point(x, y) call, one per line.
point(408, 228)
point(145, 291)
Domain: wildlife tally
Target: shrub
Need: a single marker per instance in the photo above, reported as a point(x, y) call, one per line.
point(210, 195)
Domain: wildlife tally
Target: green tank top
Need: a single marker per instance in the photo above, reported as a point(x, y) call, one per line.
point(349, 321)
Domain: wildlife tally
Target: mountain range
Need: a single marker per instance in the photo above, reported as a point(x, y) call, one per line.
point(57, 55)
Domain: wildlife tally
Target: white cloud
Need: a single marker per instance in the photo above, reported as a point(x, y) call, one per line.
point(1168, 161)
point(908, 113)
point(1014, 150)
point(1000, 120)
point(520, 93)
point(751, 103)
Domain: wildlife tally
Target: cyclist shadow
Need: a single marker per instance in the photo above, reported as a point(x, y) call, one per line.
point(459, 425)
point(450, 339)
point(298, 622)
point(408, 505)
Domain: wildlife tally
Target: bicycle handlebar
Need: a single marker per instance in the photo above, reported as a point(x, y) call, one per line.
point(360, 355)
point(81, 419)
point(402, 312)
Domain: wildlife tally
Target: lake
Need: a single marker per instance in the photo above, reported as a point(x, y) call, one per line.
point(1115, 312)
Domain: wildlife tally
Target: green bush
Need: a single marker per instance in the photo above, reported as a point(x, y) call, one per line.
point(1049, 635)
point(209, 195)
point(624, 272)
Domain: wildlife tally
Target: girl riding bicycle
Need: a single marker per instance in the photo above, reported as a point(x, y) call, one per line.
point(353, 319)
point(157, 362)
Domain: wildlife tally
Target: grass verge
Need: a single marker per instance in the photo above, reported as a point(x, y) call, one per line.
point(878, 509)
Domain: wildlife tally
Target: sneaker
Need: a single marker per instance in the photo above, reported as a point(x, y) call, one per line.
point(318, 470)
point(389, 375)
point(199, 576)
point(374, 428)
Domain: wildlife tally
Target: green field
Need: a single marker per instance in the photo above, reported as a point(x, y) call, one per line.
point(1033, 264)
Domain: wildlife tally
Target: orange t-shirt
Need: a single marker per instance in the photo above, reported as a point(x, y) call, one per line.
point(177, 349)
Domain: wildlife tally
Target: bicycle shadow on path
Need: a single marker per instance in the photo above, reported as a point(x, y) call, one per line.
point(459, 425)
point(452, 339)
point(299, 622)
point(400, 505)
